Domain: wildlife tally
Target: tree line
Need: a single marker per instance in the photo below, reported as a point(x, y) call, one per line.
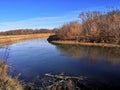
point(94, 26)
point(28, 31)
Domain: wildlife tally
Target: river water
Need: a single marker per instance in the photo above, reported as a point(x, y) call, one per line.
point(35, 57)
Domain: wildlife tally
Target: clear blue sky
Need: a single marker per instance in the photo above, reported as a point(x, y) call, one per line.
point(15, 14)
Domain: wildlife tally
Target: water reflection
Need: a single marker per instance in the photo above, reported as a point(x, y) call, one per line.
point(91, 54)
point(4, 53)
point(36, 57)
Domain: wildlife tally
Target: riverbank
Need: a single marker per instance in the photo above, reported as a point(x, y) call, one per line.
point(6, 81)
point(9, 39)
point(85, 43)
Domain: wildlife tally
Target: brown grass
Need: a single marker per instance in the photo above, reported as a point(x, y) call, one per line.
point(86, 44)
point(8, 39)
point(7, 82)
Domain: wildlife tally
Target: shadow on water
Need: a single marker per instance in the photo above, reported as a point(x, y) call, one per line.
point(91, 54)
point(104, 62)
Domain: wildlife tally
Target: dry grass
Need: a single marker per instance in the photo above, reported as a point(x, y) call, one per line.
point(15, 38)
point(7, 82)
point(86, 44)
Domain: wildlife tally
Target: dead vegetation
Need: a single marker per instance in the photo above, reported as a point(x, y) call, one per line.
point(95, 27)
point(8, 39)
point(6, 81)
point(49, 82)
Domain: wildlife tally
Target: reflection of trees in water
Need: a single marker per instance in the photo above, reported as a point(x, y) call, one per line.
point(91, 54)
point(69, 50)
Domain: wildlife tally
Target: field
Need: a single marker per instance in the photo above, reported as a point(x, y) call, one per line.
point(9, 39)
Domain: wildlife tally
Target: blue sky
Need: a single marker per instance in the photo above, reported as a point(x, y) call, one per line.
point(35, 14)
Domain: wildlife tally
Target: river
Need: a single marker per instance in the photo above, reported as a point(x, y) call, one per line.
point(35, 57)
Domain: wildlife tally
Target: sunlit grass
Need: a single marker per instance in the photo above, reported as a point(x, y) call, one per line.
point(6, 81)
point(86, 43)
point(8, 39)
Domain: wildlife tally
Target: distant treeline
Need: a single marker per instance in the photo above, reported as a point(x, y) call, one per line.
point(94, 26)
point(28, 31)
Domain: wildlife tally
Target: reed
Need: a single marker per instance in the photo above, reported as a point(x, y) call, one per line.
point(6, 81)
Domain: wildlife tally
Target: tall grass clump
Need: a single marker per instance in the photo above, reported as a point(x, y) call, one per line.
point(6, 81)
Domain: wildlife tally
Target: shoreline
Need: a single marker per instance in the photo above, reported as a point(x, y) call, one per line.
point(9, 39)
point(85, 43)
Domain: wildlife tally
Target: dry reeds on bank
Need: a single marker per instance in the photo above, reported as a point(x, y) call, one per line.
point(6, 81)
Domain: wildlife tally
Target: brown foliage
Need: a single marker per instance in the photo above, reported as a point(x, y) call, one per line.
point(70, 31)
point(96, 27)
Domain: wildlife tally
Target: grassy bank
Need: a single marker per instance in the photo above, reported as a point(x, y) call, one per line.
point(6, 81)
point(9, 39)
point(85, 43)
